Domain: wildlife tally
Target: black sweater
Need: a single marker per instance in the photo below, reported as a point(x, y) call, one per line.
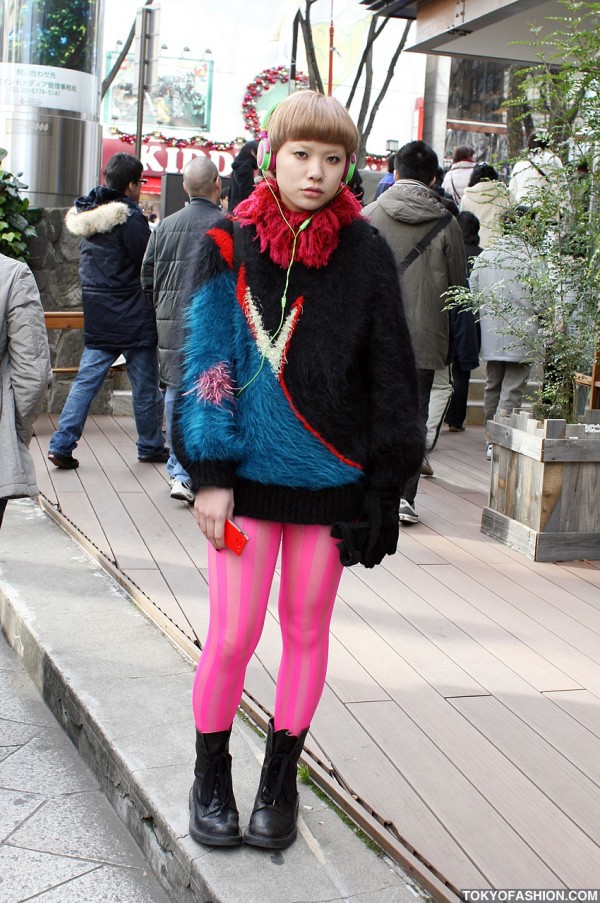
point(333, 404)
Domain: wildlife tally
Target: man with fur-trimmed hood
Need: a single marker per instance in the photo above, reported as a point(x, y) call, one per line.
point(118, 319)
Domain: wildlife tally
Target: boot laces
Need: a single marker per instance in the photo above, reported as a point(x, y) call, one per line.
point(276, 770)
point(217, 778)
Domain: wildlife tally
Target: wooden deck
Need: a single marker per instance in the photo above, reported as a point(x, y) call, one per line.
point(462, 707)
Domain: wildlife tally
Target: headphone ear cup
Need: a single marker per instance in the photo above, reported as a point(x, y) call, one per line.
point(350, 169)
point(263, 153)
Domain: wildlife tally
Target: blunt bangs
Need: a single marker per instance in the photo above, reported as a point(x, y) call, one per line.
point(310, 116)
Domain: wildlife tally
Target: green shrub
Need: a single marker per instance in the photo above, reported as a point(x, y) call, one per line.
point(17, 218)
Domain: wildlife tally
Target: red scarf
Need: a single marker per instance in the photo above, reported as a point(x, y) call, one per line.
point(315, 244)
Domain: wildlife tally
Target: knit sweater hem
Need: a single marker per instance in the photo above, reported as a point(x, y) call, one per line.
point(285, 504)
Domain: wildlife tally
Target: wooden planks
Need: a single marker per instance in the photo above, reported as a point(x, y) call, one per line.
point(462, 704)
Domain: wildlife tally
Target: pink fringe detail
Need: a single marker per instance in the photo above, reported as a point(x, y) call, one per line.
point(214, 386)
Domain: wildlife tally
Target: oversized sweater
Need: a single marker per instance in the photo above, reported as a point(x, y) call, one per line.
point(297, 407)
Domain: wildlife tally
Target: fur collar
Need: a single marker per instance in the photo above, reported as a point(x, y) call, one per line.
point(85, 223)
point(315, 244)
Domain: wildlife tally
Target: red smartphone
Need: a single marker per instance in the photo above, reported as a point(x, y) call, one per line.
point(235, 539)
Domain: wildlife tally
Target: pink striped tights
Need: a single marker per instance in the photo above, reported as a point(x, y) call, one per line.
point(239, 591)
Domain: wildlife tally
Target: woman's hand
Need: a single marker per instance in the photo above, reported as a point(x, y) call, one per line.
point(212, 507)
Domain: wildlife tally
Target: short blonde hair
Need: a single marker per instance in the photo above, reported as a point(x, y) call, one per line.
point(310, 116)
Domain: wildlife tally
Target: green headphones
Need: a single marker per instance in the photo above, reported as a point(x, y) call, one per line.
point(265, 158)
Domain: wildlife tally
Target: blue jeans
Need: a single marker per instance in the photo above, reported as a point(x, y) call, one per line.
point(142, 369)
point(175, 470)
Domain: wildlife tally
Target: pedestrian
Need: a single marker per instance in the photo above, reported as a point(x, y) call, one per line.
point(118, 319)
point(25, 374)
point(466, 337)
point(298, 420)
point(243, 168)
point(388, 179)
point(164, 278)
point(442, 195)
point(531, 175)
point(500, 275)
point(457, 177)
point(487, 198)
point(430, 257)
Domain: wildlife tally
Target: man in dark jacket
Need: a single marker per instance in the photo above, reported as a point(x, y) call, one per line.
point(164, 277)
point(243, 168)
point(408, 214)
point(118, 319)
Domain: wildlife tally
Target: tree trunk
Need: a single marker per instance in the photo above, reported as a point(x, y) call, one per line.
point(314, 76)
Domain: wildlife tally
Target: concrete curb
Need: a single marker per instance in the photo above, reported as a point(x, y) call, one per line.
point(121, 691)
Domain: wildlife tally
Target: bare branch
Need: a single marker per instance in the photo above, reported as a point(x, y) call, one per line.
point(371, 38)
point(390, 74)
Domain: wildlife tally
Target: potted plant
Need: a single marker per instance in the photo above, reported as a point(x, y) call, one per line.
point(545, 473)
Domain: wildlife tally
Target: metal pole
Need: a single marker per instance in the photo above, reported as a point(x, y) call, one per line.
point(141, 81)
point(331, 48)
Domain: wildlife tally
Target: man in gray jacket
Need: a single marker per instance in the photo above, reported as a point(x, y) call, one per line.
point(429, 249)
point(165, 280)
point(24, 377)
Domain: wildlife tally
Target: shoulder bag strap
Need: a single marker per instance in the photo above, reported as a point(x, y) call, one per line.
point(539, 169)
point(424, 243)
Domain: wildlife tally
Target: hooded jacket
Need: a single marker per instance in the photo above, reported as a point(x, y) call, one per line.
point(165, 277)
point(489, 201)
point(24, 375)
point(113, 235)
point(404, 214)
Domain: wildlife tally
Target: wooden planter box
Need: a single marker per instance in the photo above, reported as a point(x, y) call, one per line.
point(545, 487)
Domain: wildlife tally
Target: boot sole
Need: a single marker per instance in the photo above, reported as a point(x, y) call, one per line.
point(279, 843)
point(212, 840)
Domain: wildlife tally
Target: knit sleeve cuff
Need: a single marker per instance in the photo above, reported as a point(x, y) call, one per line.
point(212, 473)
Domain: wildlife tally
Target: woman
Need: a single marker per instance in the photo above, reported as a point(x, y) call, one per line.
point(298, 412)
point(486, 197)
point(457, 177)
point(24, 377)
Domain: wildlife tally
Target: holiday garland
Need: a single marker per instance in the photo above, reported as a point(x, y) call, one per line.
point(255, 89)
point(261, 83)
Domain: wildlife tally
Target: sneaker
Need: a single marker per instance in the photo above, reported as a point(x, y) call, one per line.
point(183, 491)
point(488, 452)
point(452, 428)
point(426, 468)
point(65, 462)
point(407, 513)
point(160, 457)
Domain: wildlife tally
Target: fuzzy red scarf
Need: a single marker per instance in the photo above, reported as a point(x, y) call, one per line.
point(315, 244)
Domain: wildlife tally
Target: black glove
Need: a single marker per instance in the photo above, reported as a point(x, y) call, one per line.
point(375, 534)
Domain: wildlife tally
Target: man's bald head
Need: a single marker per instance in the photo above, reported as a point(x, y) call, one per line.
point(201, 179)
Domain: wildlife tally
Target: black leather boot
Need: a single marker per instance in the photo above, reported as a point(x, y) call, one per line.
point(214, 818)
point(273, 820)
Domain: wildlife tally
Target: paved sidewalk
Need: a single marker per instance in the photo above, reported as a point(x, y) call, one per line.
point(60, 839)
point(121, 690)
